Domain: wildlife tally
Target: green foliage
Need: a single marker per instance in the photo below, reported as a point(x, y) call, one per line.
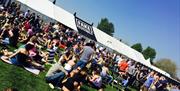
point(149, 53)
point(137, 47)
point(167, 65)
point(106, 26)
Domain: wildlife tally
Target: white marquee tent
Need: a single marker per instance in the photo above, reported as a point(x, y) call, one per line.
point(47, 8)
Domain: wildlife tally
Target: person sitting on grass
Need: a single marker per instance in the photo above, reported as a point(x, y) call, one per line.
point(5, 53)
point(75, 81)
point(69, 65)
point(105, 73)
point(96, 80)
point(55, 75)
point(21, 58)
point(66, 57)
point(50, 52)
point(6, 34)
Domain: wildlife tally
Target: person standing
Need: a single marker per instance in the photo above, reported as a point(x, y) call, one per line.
point(86, 55)
point(148, 82)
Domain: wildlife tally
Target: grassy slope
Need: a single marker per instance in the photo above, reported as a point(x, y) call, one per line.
point(15, 77)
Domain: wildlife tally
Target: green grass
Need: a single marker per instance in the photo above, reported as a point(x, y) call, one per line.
point(15, 77)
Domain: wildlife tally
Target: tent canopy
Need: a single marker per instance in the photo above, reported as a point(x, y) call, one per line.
point(47, 8)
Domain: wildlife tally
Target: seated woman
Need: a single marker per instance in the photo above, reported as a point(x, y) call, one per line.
point(6, 34)
point(34, 52)
point(21, 58)
point(4, 53)
point(69, 65)
point(96, 80)
point(50, 54)
point(65, 57)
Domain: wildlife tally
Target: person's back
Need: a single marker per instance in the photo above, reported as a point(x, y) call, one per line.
point(87, 52)
point(86, 55)
point(149, 80)
point(147, 84)
point(123, 65)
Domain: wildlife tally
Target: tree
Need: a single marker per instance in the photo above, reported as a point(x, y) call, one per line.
point(106, 26)
point(149, 53)
point(137, 47)
point(167, 65)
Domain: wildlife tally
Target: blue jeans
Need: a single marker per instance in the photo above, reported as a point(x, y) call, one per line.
point(5, 41)
point(2, 2)
point(108, 78)
point(80, 64)
point(56, 79)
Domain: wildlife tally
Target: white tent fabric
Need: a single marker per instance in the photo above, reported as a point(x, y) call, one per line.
point(49, 9)
point(161, 71)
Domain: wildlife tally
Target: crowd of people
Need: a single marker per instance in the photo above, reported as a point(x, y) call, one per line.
point(74, 59)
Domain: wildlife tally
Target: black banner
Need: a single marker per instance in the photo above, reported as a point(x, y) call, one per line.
point(85, 28)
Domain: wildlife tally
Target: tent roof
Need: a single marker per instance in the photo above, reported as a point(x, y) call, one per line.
point(49, 9)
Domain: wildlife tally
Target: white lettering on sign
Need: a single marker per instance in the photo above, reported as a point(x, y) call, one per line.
point(84, 26)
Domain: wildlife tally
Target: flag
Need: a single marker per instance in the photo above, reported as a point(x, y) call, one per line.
point(54, 2)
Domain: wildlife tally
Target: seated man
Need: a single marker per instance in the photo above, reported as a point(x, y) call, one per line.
point(123, 66)
point(55, 75)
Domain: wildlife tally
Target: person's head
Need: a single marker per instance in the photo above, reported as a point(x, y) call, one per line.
point(4, 13)
point(106, 64)
point(97, 71)
point(7, 26)
point(152, 73)
point(92, 44)
point(68, 52)
point(33, 39)
point(83, 71)
point(29, 47)
point(10, 89)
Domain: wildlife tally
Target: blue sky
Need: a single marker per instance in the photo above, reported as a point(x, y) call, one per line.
point(154, 23)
